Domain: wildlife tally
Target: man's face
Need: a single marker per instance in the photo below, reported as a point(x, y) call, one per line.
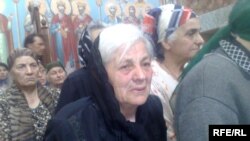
point(38, 46)
point(188, 40)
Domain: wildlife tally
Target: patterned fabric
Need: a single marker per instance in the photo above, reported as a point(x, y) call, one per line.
point(55, 94)
point(41, 115)
point(163, 85)
point(84, 47)
point(166, 19)
point(18, 122)
point(178, 15)
point(238, 55)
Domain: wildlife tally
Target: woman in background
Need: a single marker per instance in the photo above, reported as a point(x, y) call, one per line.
point(4, 79)
point(175, 31)
point(26, 106)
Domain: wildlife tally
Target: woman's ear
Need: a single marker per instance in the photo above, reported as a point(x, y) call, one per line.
point(166, 44)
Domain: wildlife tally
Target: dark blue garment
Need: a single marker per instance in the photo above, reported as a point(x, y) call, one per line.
point(76, 86)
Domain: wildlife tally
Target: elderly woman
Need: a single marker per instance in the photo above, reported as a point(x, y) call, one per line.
point(26, 106)
point(56, 74)
point(176, 35)
point(120, 107)
point(215, 85)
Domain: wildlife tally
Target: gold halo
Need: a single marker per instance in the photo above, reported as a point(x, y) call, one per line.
point(75, 8)
point(42, 6)
point(127, 9)
point(66, 3)
point(110, 3)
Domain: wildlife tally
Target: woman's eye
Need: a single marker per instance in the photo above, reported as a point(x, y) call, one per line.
point(190, 33)
point(147, 64)
point(34, 65)
point(124, 67)
point(19, 67)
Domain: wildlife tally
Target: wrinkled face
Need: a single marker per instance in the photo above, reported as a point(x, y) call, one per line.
point(56, 76)
point(42, 75)
point(130, 75)
point(3, 73)
point(38, 46)
point(25, 71)
point(187, 41)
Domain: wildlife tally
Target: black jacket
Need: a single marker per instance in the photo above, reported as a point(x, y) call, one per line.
point(82, 120)
point(76, 86)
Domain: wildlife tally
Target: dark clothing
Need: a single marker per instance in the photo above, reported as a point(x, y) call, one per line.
point(76, 86)
point(83, 120)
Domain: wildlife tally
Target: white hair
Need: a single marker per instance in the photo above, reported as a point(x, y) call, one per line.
point(120, 35)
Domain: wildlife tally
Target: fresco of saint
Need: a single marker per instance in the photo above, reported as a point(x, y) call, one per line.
point(131, 15)
point(62, 32)
point(113, 13)
point(29, 24)
point(5, 38)
point(81, 16)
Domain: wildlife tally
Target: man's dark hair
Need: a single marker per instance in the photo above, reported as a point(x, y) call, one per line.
point(30, 39)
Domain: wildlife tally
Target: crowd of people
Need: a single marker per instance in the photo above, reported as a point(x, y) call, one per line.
point(156, 82)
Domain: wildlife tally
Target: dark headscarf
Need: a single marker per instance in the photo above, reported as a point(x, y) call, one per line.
point(238, 25)
point(108, 104)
